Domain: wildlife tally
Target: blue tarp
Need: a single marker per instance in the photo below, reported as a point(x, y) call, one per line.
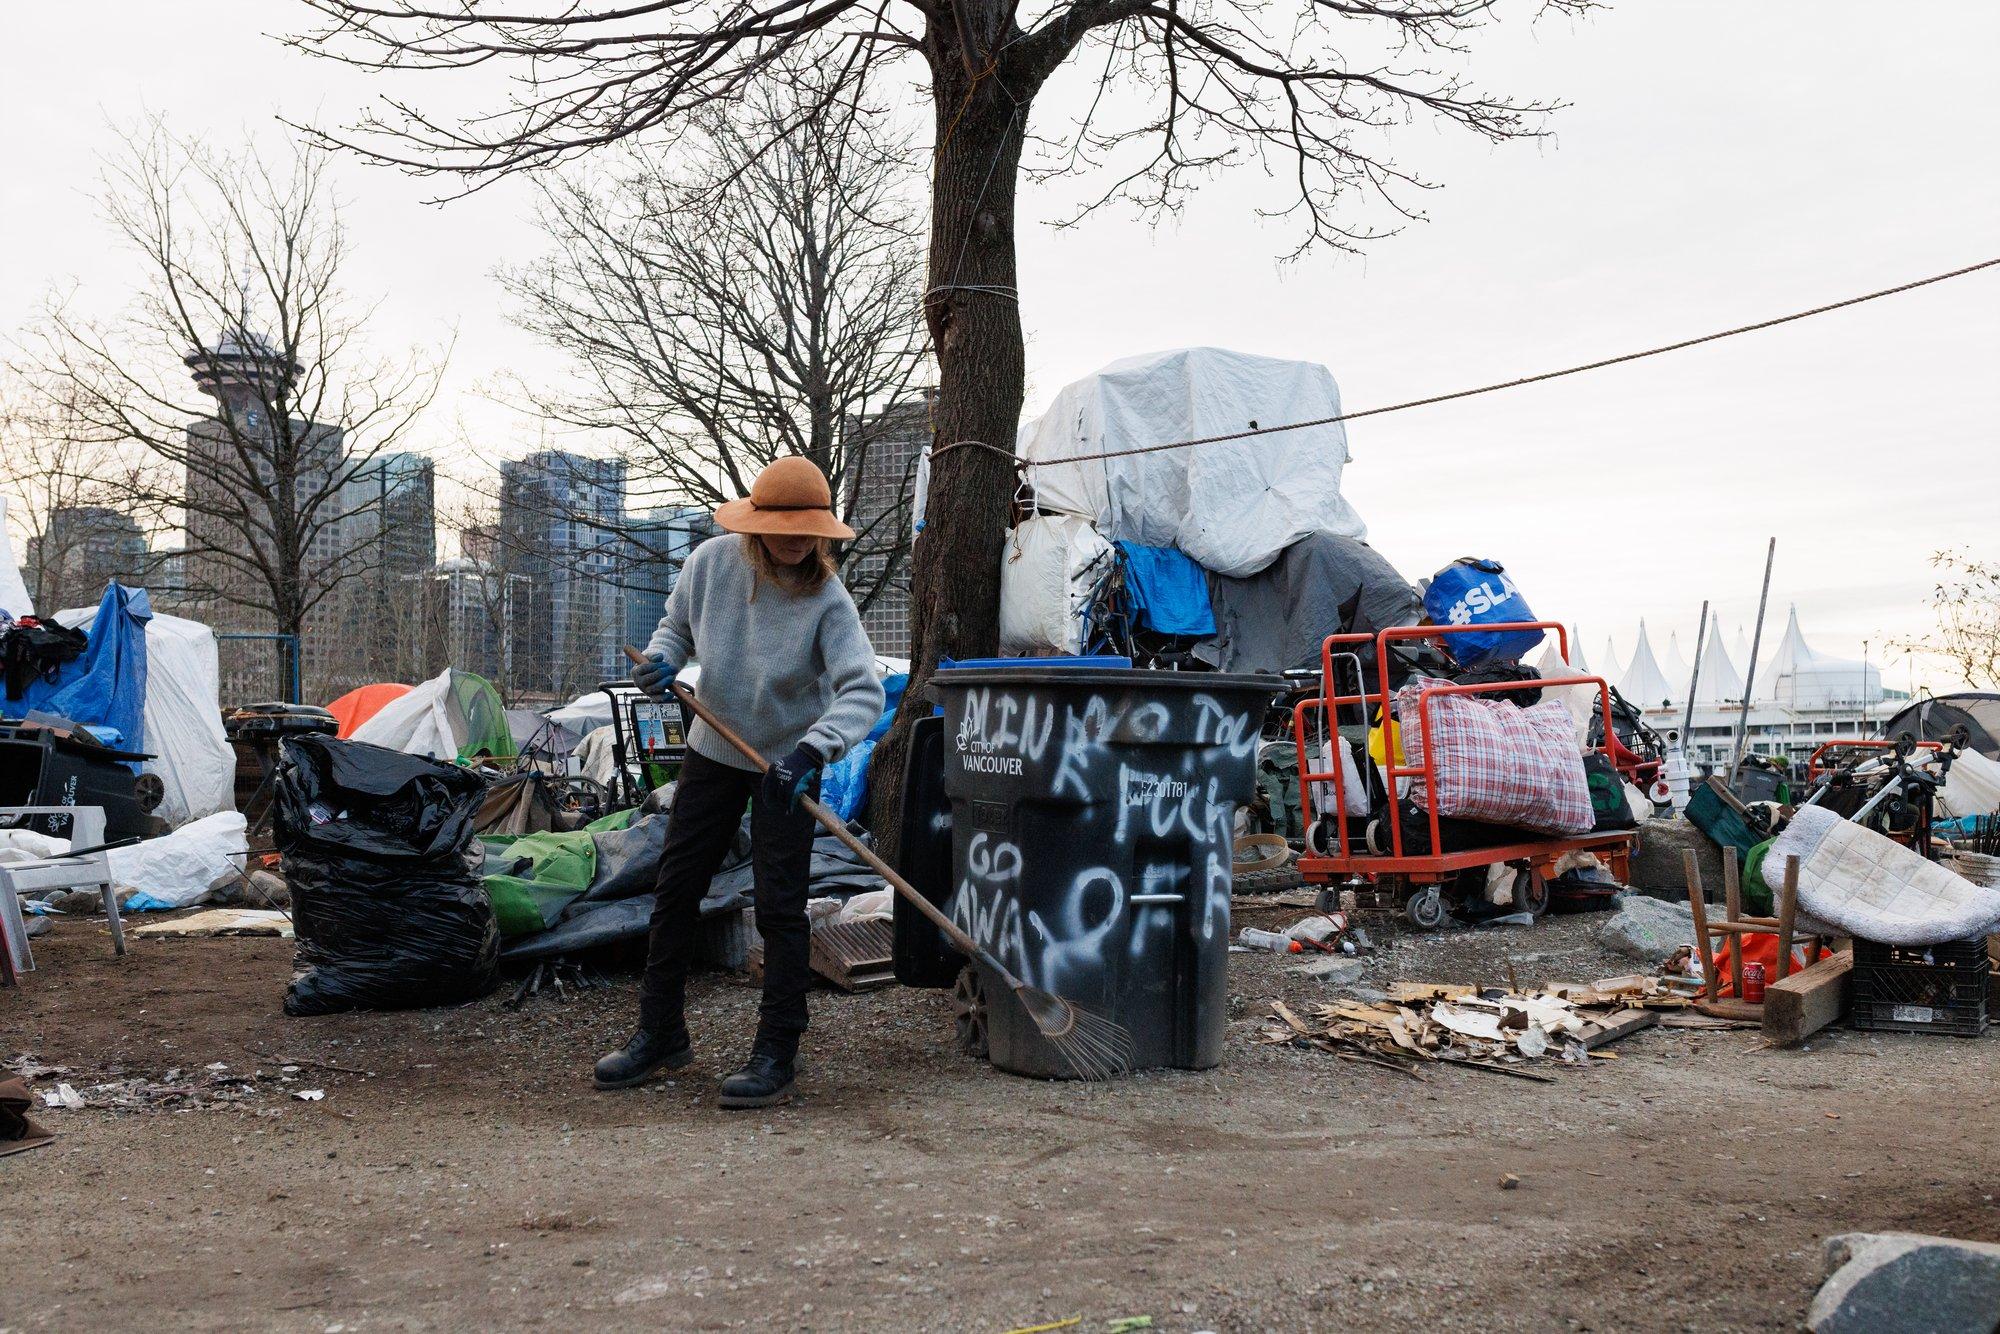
point(1169, 591)
point(105, 689)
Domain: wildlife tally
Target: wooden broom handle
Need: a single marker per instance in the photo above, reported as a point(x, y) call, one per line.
point(835, 826)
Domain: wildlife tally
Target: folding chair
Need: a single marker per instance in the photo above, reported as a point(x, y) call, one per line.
point(91, 868)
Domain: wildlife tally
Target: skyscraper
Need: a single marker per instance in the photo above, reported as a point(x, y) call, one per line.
point(560, 519)
point(80, 550)
point(656, 545)
point(879, 570)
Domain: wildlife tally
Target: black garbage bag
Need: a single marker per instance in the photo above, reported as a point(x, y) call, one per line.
point(387, 903)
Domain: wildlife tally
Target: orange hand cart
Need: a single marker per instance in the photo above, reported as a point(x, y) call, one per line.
point(1379, 865)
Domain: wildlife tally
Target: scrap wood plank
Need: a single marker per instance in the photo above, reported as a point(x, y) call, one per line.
point(1602, 1030)
point(1807, 1001)
point(855, 956)
point(1405, 993)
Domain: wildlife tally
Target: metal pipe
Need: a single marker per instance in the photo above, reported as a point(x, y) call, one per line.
point(1750, 671)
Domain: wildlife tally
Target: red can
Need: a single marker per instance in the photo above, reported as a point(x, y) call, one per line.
point(1753, 983)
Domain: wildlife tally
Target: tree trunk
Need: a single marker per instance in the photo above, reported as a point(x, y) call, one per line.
point(975, 325)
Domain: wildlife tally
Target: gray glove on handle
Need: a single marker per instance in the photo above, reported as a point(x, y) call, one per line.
point(654, 678)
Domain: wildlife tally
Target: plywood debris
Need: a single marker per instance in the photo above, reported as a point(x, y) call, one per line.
point(1496, 1029)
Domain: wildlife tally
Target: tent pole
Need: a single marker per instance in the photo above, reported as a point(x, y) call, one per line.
point(1750, 670)
point(1694, 679)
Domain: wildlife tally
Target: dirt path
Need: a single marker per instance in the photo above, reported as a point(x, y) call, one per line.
point(473, 1180)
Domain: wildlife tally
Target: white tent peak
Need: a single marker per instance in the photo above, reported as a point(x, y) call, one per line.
point(1611, 671)
point(1643, 683)
point(1674, 666)
point(1720, 681)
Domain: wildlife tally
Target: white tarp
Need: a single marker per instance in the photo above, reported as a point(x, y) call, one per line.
point(1231, 506)
point(14, 599)
point(177, 869)
point(417, 723)
point(1047, 569)
point(183, 716)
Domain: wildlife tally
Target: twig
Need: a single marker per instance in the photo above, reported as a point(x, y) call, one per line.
point(1508, 1071)
point(307, 1060)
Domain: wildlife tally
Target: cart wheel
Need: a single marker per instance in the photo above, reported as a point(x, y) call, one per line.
point(1425, 908)
point(968, 1010)
point(1531, 892)
point(1320, 840)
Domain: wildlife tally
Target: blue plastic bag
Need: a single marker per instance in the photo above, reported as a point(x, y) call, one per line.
point(1478, 592)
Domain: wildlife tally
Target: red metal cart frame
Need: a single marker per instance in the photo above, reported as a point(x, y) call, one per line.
point(1398, 867)
point(1814, 772)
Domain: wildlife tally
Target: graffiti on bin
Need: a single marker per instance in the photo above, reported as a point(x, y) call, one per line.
point(1003, 728)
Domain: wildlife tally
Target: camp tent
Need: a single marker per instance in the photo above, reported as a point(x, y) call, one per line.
point(1934, 720)
point(14, 599)
point(181, 715)
point(454, 715)
point(360, 704)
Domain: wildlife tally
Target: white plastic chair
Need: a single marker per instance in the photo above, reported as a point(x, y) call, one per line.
point(92, 868)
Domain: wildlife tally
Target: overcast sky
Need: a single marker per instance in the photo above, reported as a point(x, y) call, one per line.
point(1719, 163)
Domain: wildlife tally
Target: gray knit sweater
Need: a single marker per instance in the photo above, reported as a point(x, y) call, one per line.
point(781, 669)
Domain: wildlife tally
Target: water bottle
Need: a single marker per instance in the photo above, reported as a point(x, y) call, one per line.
point(1277, 942)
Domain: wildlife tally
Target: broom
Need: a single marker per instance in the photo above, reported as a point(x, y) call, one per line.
point(1094, 1047)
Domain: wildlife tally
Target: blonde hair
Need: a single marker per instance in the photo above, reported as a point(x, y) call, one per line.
point(808, 576)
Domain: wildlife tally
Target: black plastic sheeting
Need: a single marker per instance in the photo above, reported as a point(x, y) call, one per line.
point(619, 903)
point(387, 904)
point(1278, 618)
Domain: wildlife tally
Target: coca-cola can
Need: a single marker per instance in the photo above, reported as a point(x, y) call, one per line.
point(1753, 983)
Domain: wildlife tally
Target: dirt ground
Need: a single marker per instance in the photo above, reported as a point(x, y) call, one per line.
point(460, 1173)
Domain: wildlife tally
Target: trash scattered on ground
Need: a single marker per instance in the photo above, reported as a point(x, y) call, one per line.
point(222, 922)
point(62, 1095)
point(309, 1095)
point(1493, 1028)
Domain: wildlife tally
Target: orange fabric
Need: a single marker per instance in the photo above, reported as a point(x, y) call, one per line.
point(359, 705)
point(1760, 948)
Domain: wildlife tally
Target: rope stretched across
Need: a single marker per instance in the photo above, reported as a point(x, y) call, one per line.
point(1466, 393)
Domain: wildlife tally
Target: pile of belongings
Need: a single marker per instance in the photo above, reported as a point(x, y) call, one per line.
point(557, 894)
point(1495, 1027)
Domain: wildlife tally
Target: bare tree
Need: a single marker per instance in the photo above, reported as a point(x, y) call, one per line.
point(1967, 602)
point(752, 290)
point(239, 370)
point(1310, 88)
point(72, 502)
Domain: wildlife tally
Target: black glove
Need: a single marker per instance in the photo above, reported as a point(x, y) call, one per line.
point(786, 781)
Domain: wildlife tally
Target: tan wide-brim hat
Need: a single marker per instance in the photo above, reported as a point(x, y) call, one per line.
point(790, 498)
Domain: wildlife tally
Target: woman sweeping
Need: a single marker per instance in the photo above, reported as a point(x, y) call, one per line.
point(785, 661)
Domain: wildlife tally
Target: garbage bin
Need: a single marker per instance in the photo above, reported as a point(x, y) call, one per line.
point(1092, 819)
point(255, 733)
point(40, 766)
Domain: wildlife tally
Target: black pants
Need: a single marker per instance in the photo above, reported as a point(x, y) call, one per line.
point(707, 810)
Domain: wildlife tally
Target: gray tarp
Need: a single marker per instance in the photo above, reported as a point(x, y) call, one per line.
point(619, 901)
point(1277, 619)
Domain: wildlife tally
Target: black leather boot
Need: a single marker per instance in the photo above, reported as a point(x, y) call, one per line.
point(642, 1054)
point(764, 1082)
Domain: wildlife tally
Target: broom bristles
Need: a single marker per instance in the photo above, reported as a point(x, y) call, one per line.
point(1094, 1047)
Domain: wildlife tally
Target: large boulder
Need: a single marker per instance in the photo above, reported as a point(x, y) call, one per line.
point(1657, 869)
point(1648, 930)
point(1906, 1283)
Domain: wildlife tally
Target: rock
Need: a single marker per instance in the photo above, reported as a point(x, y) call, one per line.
point(1338, 972)
point(1906, 1283)
point(1657, 870)
point(267, 889)
point(1647, 929)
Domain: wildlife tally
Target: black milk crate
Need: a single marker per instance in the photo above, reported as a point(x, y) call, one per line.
point(1921, 988)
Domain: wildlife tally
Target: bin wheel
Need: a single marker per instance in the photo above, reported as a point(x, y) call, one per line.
point(968, 1012)
point(1425, 908)
point(150, 790)
point(1531, 892)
